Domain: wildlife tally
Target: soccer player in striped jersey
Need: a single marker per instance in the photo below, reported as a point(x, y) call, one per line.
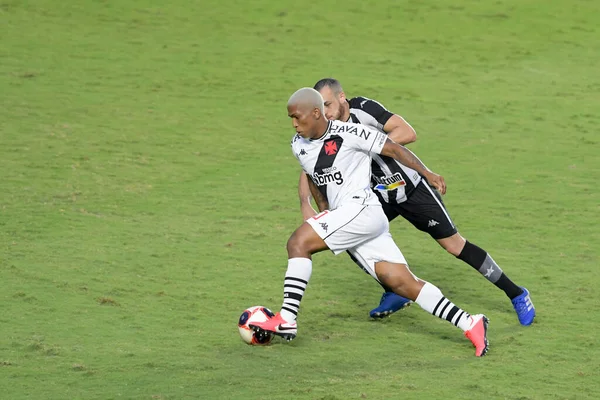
point(337, 155)
point(402, 191)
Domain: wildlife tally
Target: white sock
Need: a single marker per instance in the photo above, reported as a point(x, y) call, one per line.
point(432, 300)
point(294, 285)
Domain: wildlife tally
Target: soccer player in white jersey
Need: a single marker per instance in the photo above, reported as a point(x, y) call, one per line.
point(337, 156)
point(402, 191)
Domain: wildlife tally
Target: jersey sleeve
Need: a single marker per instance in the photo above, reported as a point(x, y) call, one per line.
point(373, 108)
point(367, 140)
point(296, 151)
point(378, 142)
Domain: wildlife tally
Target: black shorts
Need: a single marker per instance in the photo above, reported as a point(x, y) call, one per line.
point(424, 209)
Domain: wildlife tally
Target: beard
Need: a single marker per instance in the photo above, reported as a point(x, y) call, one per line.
point(337, 115)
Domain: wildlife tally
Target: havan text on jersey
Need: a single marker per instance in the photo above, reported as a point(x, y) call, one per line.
point(354, 129)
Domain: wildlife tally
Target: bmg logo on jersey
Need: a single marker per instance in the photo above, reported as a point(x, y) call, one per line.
point(327, 177)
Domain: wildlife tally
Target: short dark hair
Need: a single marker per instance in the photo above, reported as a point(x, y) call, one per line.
point(334, 84)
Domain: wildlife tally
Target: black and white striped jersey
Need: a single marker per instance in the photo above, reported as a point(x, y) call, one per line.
point(391, 181)
point(339, 162)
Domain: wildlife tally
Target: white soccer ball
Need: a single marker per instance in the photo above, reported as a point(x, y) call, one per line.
point(255, 314)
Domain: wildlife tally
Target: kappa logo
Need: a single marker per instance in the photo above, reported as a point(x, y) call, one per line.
point(432, 222)
point(324, 226)
point(302, 152)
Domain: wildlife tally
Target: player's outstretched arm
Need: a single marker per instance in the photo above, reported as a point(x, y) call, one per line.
point(399, 130)
point(406, 157)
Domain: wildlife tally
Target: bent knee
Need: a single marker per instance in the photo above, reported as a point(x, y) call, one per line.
point(454, 250)
point(395, 276)
point(299, 245)
point(409, 288)
point(294, 244)
point(453, 245)
point(406, 284)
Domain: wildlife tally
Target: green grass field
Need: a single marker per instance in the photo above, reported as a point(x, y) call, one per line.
point(147, 191)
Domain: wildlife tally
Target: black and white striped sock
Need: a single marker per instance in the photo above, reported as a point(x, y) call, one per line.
point(433, 301)
point(296, 278)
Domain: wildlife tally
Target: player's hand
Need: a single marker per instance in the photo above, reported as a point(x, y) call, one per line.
point(437, 181)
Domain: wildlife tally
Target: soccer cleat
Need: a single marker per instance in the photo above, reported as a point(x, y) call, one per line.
point(390, 303)
point(477, 334)
point(278, 326)
point(524, 307)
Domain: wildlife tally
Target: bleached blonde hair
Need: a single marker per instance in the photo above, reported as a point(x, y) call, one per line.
point(307, 96)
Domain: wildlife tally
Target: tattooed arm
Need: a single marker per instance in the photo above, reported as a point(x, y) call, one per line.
point(406, 157)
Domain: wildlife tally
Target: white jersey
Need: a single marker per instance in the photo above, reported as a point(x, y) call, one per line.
point(339, 162)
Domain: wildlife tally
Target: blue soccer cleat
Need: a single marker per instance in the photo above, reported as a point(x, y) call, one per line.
point(389, 304)
point(524, 308)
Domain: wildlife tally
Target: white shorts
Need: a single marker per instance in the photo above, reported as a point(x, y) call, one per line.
point(363, 230)
point(382, 248)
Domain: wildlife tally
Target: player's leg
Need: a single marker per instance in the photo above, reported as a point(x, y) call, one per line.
point(426, 211)
point(390, 302)
point(396, 275)
point(335, 230)
point(303, 243)
point(432, 300)
point(481, 260)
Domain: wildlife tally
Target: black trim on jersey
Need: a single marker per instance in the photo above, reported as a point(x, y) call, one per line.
point(354, 118)
point(329, 123)
point(371, 107)
point(325, 161)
